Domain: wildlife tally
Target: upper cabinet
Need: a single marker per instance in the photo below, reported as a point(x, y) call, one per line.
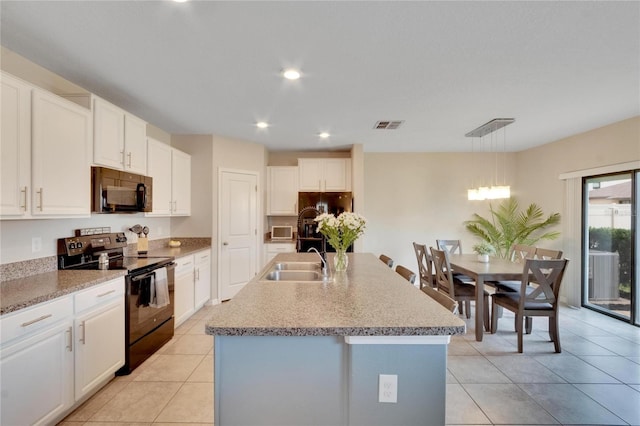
point(119, 138)
point(60, 167)
point(283, 191)
point(324, 174)
point(171, 173)
point(15, 158)
point(45, 154)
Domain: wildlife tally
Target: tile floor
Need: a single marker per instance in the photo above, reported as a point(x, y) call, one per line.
point(595, 380)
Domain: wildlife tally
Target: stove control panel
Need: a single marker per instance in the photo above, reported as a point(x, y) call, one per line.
point(89, 244)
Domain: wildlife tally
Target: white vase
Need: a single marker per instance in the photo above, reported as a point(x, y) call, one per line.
point(484, 258)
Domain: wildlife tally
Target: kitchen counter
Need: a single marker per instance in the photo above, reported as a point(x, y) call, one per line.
point(24, 292)
point(292, 353)
point(368, 300)
point(20, 293)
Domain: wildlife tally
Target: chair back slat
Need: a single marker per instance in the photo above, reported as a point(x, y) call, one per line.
point(386, 259)
point(542, 253)
point(520, 252)
point(425, 265)
point(441, 298)
point(444, 279)
point(450, 246)
point(547, 277)
point(408, 274)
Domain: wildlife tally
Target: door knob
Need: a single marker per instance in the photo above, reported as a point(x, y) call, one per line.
point(225, 243)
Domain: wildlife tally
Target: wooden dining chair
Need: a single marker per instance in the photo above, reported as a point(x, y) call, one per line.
point(441, 298)
point(425, 265)
point(457, 290)
point(386, 259)
point(538, 296)
point(453, 247)
point(542, 253)
point(519, 253)
point(406, 273)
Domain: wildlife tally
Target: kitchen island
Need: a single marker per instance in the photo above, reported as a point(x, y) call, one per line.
point(311, 353)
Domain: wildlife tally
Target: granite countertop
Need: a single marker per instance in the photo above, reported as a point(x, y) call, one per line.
point(20, 293)
point(24, 292)
point(187, 248)
point(369, 299)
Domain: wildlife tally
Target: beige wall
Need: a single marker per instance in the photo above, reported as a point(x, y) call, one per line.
point(199, 224)
point(539, 168)
point(421, 197)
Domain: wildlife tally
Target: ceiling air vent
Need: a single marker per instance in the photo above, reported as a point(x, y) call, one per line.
point(388, 125)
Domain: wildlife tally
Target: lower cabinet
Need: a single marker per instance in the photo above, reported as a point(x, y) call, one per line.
point(99, 335)
point(192, 284)
point(202, 278)
point(50, 358)
point(183, 290)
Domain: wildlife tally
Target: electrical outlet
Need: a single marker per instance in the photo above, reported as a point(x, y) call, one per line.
point(388, 388)
point(36, 244)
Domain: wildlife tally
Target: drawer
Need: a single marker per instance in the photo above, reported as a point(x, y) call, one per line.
point(35, 318)
point(203, 257)
point(99, 294)
point(184, 265)
point(281, 248)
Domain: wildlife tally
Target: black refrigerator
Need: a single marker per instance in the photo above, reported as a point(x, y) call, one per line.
point(311, 204)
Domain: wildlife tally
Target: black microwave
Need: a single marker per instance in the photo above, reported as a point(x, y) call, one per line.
point(116, 191)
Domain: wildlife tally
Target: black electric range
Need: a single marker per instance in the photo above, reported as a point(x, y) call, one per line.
point(148, 324)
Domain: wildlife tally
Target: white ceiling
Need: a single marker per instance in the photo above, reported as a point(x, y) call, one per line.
point(208, 67)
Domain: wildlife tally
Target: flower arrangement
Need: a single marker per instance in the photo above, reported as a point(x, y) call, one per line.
point(341, 232)
point(483, 247)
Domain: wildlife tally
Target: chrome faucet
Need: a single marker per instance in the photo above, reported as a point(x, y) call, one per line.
point(325, 270)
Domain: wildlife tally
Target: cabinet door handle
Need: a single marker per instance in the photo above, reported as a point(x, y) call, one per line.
point(24, 192)
point(39, 192)
point(33, 321)
point(82, 338)
point(170, 206)
point(108, 292)
point(129, 158)
point(225, 243)
point(122, 153)
point(70, 340)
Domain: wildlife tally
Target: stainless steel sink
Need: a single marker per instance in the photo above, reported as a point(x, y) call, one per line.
point(305, 272)
point(297, 266)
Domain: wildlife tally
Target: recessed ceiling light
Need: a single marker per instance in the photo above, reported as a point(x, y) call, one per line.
point(324, 135)
point(180, 1)
point(291, 74)
point(262, 124)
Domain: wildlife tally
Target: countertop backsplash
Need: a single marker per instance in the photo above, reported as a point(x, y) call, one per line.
point(26, 268)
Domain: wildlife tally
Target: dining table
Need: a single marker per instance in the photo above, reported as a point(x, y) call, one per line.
point(496, 269)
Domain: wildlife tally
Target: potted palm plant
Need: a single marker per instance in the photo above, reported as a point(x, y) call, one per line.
point(508, 225)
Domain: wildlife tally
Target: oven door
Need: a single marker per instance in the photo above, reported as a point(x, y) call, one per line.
point(144, 317)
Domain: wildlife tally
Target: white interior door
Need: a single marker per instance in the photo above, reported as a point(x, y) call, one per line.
point(238, 231)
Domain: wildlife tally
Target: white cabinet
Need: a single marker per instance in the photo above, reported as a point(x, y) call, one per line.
point(45, 152)
point(171, 173)
point(15, 149)
point(324, 174)
point(183, 290)
point(99, 335)
point(202, 285)
point(36, 363)
point(272, 249)
point(181, 183)
point(60, 167)
point(282, 197)
point(119, 138)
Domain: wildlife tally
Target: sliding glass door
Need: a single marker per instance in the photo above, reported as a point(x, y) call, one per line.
point(610, 251)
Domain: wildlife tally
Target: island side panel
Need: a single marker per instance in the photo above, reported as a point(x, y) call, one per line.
point(268, 380)
point(421, 371)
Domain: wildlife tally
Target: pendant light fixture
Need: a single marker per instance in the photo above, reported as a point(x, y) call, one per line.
point(497, 189)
